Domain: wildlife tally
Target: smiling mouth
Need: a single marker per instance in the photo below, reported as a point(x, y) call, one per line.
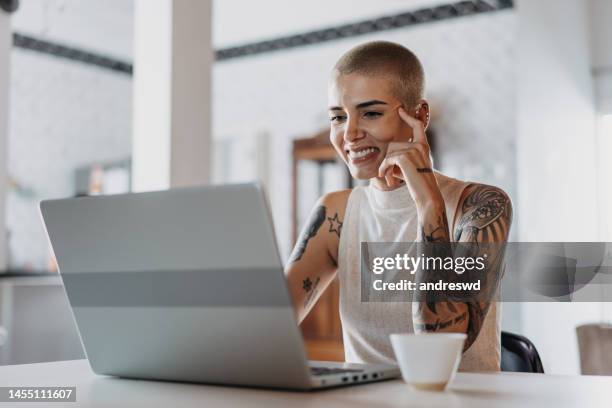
point(362, 155)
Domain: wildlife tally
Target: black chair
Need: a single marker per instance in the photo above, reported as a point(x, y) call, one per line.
point(518, 354)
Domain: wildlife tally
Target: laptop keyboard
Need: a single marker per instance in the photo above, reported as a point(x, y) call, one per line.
point(317, 371)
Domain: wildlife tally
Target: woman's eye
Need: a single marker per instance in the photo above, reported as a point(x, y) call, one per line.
point(372, 115)
point(337, 118)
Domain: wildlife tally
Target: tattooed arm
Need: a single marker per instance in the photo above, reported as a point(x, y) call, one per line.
point(484, 215)
point(312, 264)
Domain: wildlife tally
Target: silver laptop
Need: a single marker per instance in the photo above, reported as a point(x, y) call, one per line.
point(186, 285)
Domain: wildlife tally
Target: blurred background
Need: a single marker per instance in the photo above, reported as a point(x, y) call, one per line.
point(110, 96)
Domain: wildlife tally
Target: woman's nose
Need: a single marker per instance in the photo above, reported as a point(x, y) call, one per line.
point(352, 131)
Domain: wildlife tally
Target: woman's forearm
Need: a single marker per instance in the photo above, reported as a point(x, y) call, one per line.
point(433, 312)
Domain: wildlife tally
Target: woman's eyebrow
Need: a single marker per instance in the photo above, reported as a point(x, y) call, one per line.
point(370, 103)
point(360, 105)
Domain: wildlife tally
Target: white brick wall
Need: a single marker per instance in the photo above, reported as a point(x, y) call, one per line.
point(63, 115)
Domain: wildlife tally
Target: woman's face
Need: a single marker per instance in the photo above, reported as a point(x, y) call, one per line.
point(364, 120)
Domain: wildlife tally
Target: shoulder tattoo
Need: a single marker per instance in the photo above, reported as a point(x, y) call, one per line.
point(486, 211)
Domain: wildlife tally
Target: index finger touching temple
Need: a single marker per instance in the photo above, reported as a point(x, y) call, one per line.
point(418, 129)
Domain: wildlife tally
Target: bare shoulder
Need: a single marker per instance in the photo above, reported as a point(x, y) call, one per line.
point(336, 200)
point(484, 213)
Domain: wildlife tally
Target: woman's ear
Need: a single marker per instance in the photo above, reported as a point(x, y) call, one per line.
point(422, 112)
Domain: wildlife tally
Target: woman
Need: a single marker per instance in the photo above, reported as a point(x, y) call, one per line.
point(378, 120)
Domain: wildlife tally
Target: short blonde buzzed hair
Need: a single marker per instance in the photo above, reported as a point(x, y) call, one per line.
point(389, 59)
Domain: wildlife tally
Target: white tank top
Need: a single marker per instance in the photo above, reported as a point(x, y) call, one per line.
point(373, 215)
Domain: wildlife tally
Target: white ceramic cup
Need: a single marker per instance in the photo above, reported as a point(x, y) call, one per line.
point(428, 361)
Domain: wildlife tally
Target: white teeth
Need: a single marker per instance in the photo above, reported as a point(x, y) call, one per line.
point(361, 153)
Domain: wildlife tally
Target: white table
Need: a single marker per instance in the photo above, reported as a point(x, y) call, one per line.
point(468, 390)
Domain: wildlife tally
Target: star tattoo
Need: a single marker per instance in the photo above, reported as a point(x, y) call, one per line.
point(335, 225)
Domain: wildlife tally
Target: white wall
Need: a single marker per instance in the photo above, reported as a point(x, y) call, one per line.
point(556, 123)
point(600, 33)
point(101, 26)
point(237, 21)
point(556, 162)
point(63, 115)
point(600, 15)
point(5, 41)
